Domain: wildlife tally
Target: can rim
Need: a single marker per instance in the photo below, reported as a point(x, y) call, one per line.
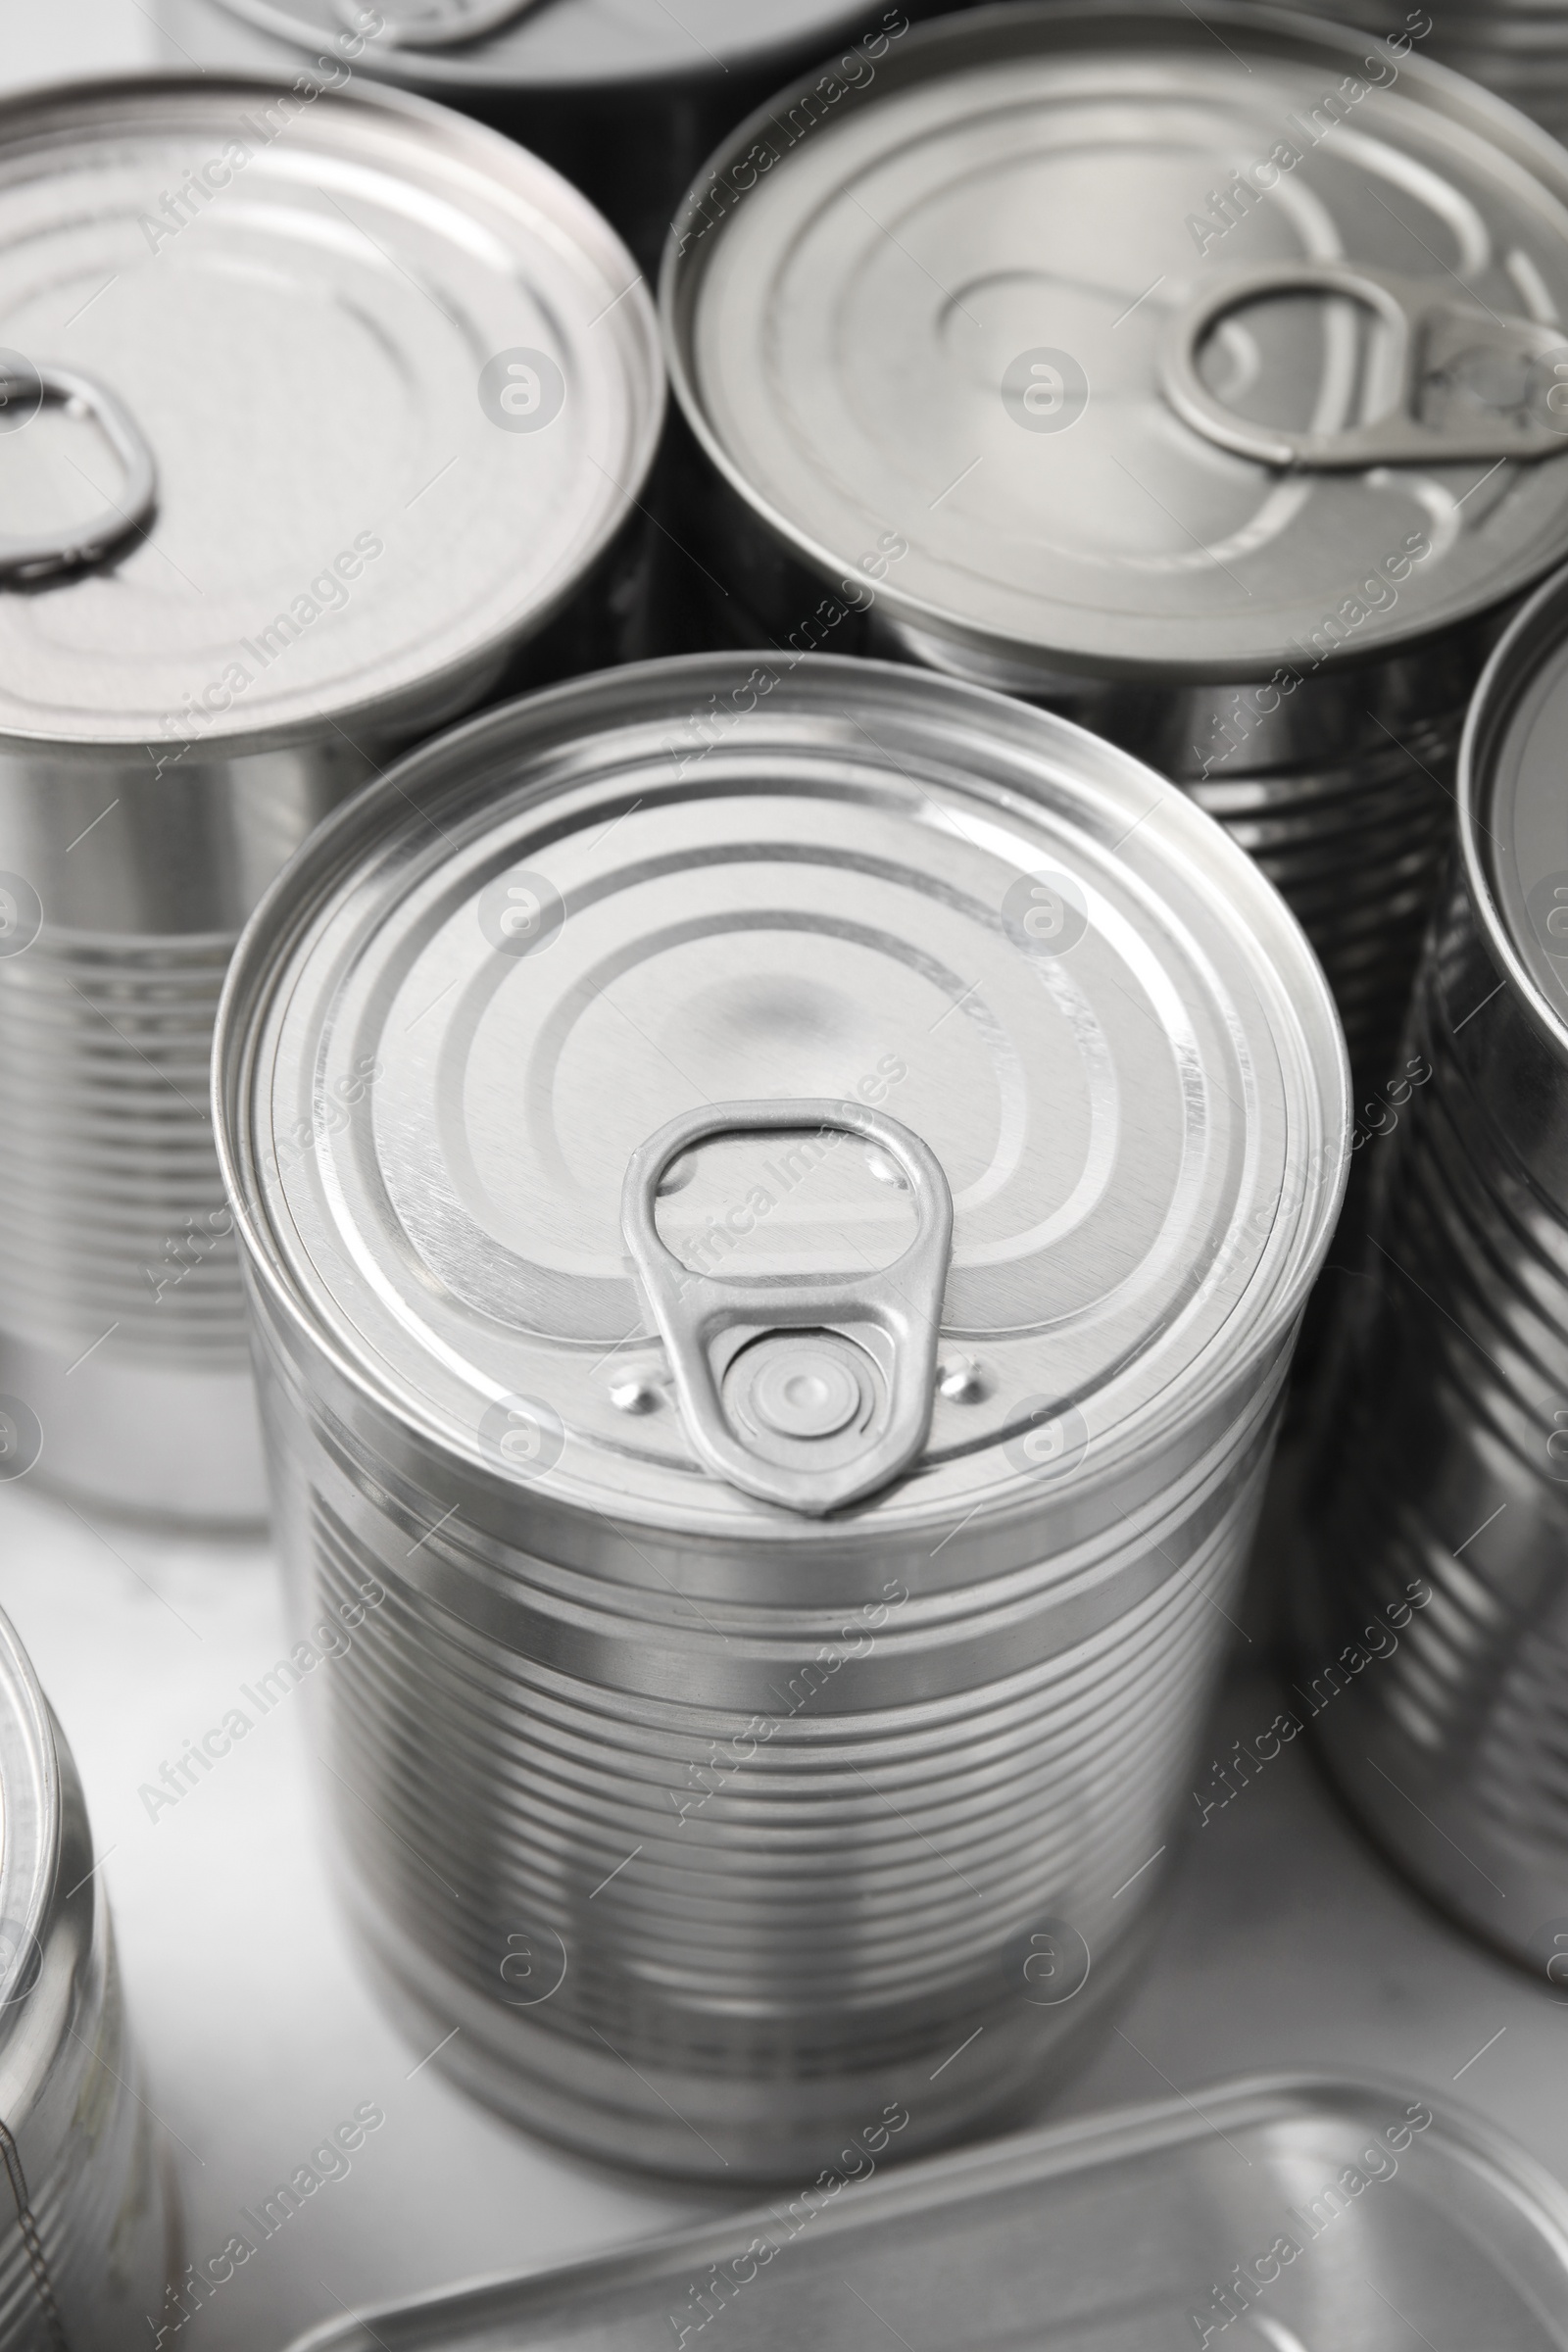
point(31, 1820)
point(320, 868)
point(432, 67)
point(681, 274)
point(478, 148)
point(1537, 628)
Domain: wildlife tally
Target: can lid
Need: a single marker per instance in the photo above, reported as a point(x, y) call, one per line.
point(1184, 342)
point(457, 45)
point(1513, 814)
point(385, 386)
point(965, 953)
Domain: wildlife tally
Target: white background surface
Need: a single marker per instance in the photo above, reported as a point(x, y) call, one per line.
point(1287, 1942)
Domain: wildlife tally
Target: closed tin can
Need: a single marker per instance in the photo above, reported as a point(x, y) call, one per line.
point(1435, 1643)
point(1516, 48)
point(281, 506)
point(624, 98)
point(1191, 376)
point(1137, 2228)
point(791, 1329)
point(86, 2221)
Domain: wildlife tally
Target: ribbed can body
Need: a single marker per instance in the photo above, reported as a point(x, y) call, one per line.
point(701, 1806)
point(121, 1309)
point(710, 1886)
point(1435, 1639)
point(114, 1208)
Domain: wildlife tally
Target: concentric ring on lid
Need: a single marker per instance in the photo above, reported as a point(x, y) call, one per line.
point(940, 308)
point(399, 382)
point(485, 983)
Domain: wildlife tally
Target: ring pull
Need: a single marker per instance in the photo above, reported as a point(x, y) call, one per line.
point(1486, 366)
point(40, 555)
point(804, 1392)
point(429, 23)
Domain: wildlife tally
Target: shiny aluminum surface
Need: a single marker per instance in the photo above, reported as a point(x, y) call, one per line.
point(1279, 2211)
point(1443, 1491)
point(857, 309)
point(301, 305)
point(1517, 49)
point(625, 97)
point(706, 1788)
point(85, 2223)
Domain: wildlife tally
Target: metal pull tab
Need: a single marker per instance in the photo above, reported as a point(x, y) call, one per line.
point(1441, 343)
point(40, 555)
point(803, 1392)
point(429, 23)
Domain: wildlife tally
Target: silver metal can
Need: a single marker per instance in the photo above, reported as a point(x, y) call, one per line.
point(779, 1354)
point(1435, 1640)
point(1186, 373)
point(319, 409)
point(1135, 2227)
point(86, 2218)
point(624, 100)
point(1517, 49)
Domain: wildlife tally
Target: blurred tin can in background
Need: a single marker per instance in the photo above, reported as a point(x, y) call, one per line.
point(1518, 49)
point(623, 97)
point(795, 1333)
point(1048, 360)
point(1435, 1638)
point(315, 410)
point(86, 2224)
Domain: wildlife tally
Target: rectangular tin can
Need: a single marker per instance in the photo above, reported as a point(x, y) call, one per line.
point(1434, 1618)
point(1283, 2211)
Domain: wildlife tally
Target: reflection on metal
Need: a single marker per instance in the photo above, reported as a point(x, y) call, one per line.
point(327, 579)
point(1517, 409)
point(1270, 2214)
point(35, 556)
point(1441, 1504)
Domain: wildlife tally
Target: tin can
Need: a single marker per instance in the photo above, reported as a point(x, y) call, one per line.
point(86, 2218)
point(625, 101)
point(1074, 357)
point(781, 1354)
point(1516, 48)
point(1434, 1643)
point(1136, 2226)
point(320, 412)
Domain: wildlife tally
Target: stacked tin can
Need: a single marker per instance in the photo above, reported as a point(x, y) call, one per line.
point(318, 408)
point(86, 2231)
point(1516, 48)
point(1435, 1646)
point(625, 101)
point(794, 1321)
point(1066, 330)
